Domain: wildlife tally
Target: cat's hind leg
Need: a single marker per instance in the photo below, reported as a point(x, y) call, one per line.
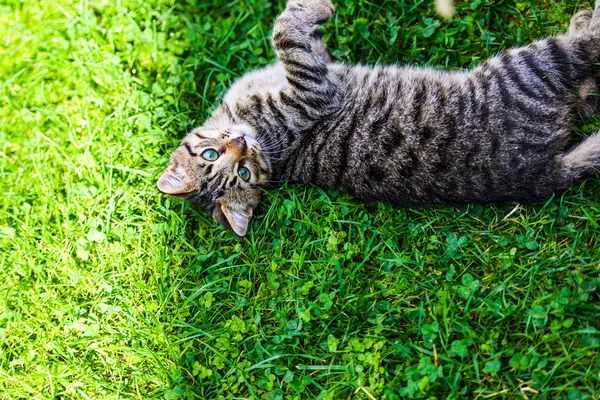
point(580, 23)
point(587, 92)
point(588, 97)
point(580, 162)
point(595, 21)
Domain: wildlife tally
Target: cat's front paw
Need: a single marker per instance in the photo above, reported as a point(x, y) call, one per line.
point(317, 11)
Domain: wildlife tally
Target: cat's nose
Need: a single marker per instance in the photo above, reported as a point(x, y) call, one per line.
point(237, 148)
point(240, 142)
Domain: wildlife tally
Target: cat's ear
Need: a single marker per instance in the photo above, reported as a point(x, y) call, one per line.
point(174, 181)
point(233, 218)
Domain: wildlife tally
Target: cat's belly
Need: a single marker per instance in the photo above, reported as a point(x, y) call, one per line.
point(419, 136)
point(446, 149)
point(430, 174)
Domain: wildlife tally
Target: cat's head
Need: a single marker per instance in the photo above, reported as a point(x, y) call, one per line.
point(219, 170)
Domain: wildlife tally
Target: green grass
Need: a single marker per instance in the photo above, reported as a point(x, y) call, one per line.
point(110, 290)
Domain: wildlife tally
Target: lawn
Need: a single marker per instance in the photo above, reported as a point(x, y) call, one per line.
point(110, 290)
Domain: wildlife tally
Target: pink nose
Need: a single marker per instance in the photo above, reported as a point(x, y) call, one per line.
point(237, 148)
point(240, 142)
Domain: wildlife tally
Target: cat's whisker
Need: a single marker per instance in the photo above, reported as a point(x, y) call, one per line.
point(274, 146)
point(274, 149)
point(277, 150)
point(271, 136)
point(215, 126)
point(275, 159)
point(273, 153)
point(271, 142)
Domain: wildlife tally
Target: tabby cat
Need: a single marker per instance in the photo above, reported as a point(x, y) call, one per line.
point(501, 132)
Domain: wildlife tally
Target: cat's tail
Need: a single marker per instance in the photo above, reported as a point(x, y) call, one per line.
point(583, 160)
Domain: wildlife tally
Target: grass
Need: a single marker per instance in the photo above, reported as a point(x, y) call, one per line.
point(109, 290)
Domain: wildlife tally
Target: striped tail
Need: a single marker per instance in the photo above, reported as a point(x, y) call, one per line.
point(583, 159)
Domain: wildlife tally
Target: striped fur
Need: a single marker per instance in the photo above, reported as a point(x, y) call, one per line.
point(403, 135)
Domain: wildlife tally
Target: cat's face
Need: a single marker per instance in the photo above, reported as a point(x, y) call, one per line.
point(220, 171)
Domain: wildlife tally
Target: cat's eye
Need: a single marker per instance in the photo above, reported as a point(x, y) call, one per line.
point(210, 155)
point(244, 173)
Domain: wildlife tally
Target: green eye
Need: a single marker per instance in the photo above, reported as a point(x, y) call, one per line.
point(244, 173)
point(210, 155)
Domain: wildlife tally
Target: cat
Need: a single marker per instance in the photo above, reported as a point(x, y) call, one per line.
point(501, 132)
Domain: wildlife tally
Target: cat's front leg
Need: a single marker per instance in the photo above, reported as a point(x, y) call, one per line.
point(306, 71)
point(315, 12)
